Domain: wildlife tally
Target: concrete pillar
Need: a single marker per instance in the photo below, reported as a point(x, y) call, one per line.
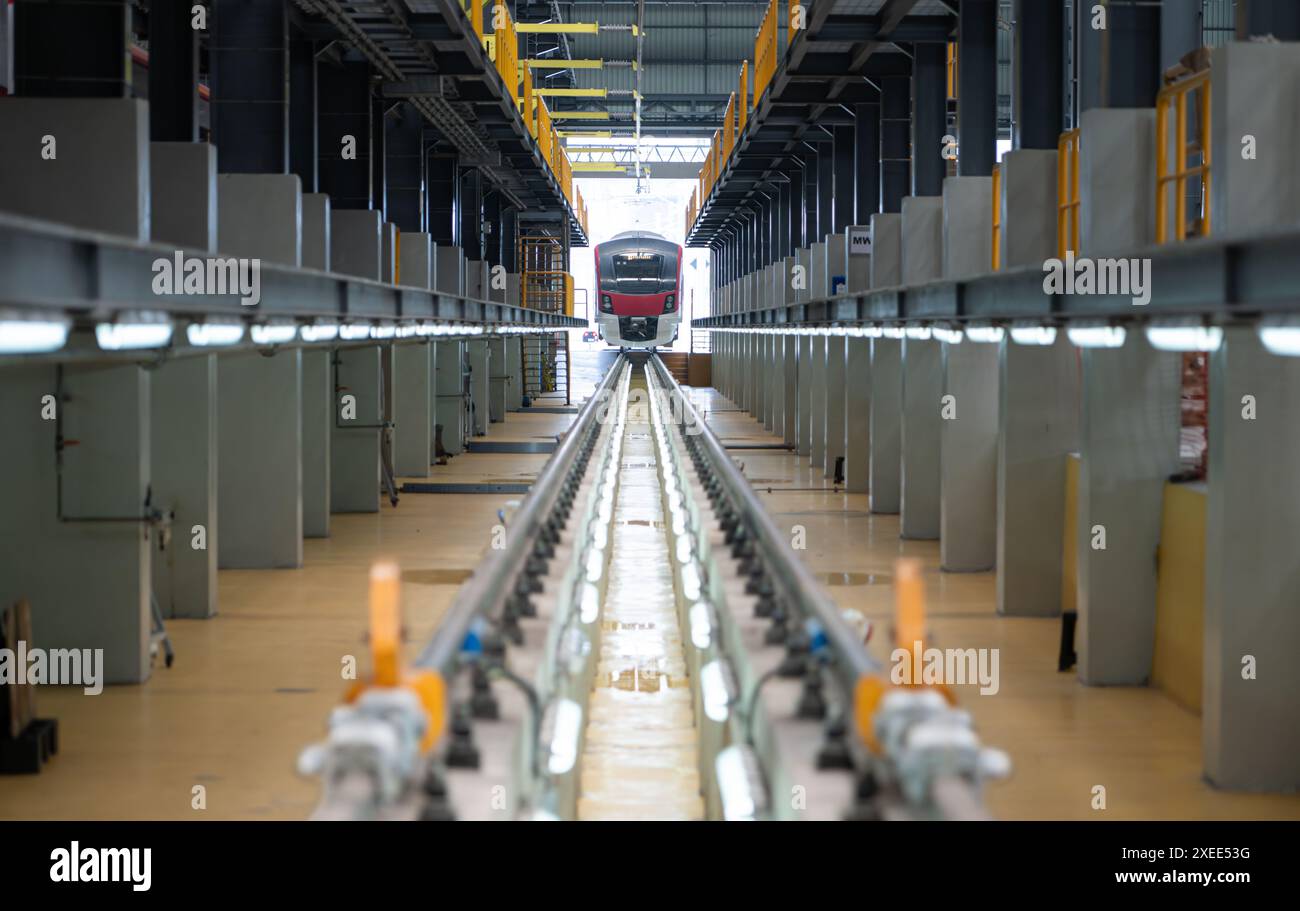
point(450, 272)
point(355, 438)
point(886, 250)
point(817, 378)
point(183, 195)
point(1129, 443)
point(317, 429)
point(886, 425)
point(1253, 92)
point(1028, 201)
point(1251, 740)
point(259, 460)
point(968, 456)
point(415, 263)
point(183, 459)
point(835, 402)
point(316, 231)
point(857, 417)
point(449, 372)
point(88, 582)
point(776, 384)
point(480, 373)
point(922, 239)
point(356, 243)
point(803, 420)
point(790, 390)
point(967, 226)
point(920, 437)
point(100, 177)
point(771, 382)
point(260, 216)
point(497, 381)
point(857, 258)
point(1038, 425)
point(514, 370)
point(1116, 180)
point(413, 409)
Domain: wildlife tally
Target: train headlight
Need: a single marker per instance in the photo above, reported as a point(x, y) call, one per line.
point(670, 303)
point(606, 304)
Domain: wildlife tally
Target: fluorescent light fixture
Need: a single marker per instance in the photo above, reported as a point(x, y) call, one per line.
point(321, 332)
point(564, 737)
point(1185, 338)
point(701, 625)
point(1280, 340)
point(739, 784)
point(22, 336)
point(274, 334)
point(383, 332)
point(946, 334)
point(1096, 336)
point(985, 335)
point(1033, 335)
point(873, 332)
point(134, 333)
point(717, 691)
point(590, 603)
point(917, 333)
point(354, 332)
point(893, 332)
point(214, 335)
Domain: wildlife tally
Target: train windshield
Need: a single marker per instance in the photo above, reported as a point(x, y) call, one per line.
point(639, 270)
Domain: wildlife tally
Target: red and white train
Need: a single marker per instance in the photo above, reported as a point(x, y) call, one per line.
point(639, 275)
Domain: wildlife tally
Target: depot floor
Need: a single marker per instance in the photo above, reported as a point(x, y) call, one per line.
point(251, 687)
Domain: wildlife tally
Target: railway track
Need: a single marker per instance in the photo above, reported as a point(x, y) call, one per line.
point(645, 646)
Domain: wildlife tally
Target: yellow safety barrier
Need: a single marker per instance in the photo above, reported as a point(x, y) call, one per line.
point(573, 93)
point(526, 100)
point(580, 115)
point(557, 28)
point(952, 70)
point(563, 63)
point(1179, 172)
point(796, 18)
point(475, 10)
point(997, 217)
point(765, 52)
point(505, 49)
point(744, 96)
point(729, 127)
point(1067, 193)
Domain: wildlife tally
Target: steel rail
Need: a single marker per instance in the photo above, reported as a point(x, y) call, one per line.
point(796, 581)
point(484, 594)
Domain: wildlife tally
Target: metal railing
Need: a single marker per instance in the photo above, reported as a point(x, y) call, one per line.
point(1067, 193)
point(996, 244)
point(1180, 172)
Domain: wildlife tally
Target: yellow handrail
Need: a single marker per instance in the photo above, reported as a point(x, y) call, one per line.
point(743, 95)
point(1176, 96)
point(1067, 193)
point(729, 127)
point(997, 217)
point(796, 19)
point(765, 52)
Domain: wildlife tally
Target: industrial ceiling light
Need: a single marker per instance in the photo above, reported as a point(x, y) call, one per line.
point(895, 332)
point(1096, 336)
point(320, 332)
point(565, 734)
point(701, 626)
point(33, 336)
point(1280, 339)
point(946, 334)
point(133, 332)
point(354, 332)
point(274, 334)
point(1184, 338)
point(383, 331)
point(1033, 335)
point(985, 335)
point(717, 690)
point(740, 785)
point(918, 333)
point(873, 332)
point(214, 335)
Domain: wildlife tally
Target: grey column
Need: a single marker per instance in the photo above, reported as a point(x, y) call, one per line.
point(857, 446)
point(259, 460)
point(480, 371)
point(895, 141)
point(776, 382)
point(412, 409)
point(1038, 426)
point(1038, 77)
point(1129, 441)
point(1249, 731)
point(449, 373)
point(929, 118)
point(817, 403)
point(355, 436)
point(790, 394)
point(886, 424)
point(804, 411)
point(835, 399)
point(920, 438)
point(968, 457)
point(317, 428)
point(977, 87)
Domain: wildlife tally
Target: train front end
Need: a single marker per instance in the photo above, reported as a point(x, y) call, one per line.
point(639, 276)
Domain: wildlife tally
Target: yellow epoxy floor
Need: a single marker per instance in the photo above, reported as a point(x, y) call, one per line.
point(253, 686)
